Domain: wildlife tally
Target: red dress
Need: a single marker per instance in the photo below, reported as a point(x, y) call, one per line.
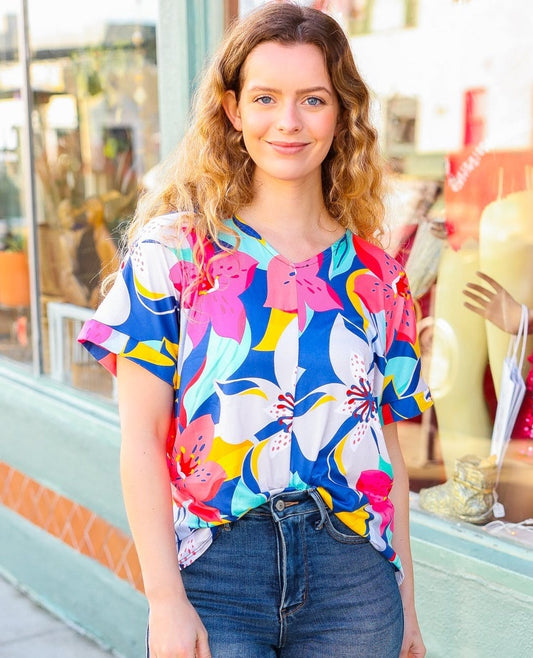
point(523, 428)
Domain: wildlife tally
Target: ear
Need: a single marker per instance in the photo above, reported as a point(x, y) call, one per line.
point(231, 108)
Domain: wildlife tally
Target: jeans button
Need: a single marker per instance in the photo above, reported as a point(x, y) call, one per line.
point(280, 505)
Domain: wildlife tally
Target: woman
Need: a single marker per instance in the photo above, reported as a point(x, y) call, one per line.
point(276, 418)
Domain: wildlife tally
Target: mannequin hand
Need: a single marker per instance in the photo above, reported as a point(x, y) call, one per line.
point(494, 303)
point(176, 631)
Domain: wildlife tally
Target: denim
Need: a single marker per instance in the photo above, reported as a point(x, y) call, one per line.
point(289, 580)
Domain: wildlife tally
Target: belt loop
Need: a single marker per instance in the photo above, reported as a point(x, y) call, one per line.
point(321, 507)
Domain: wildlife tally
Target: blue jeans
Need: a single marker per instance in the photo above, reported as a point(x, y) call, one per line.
point(289, 580)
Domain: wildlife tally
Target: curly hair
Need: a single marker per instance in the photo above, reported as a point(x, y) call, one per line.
point(210, 174)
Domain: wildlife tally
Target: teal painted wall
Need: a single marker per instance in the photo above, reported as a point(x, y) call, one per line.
point(71, 446)
point(188, 31)
point(63, 441)
point(474, 591)
point(73, 587)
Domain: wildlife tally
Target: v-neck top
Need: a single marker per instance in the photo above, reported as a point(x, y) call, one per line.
point(237, 222)
point(283, 373)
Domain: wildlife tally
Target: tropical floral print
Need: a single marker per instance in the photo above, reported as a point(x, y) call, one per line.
point(284, 373)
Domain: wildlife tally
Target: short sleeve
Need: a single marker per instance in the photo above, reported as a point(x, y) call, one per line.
point(139, 317)
point(405, 393)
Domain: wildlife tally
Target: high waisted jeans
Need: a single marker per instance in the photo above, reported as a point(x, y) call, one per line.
point(290, 580)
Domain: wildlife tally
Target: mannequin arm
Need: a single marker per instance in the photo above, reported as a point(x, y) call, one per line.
point(494, 303)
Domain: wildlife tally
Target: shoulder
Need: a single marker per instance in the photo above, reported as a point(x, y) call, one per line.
point(374, 258)
point(167, 230)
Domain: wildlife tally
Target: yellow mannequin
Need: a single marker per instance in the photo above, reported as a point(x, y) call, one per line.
point(458, 361)
point(506, 254)
point(462, 339)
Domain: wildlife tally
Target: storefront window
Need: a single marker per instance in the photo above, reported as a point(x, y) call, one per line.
point(454, 107)
point(14, 270)
point(96, 135)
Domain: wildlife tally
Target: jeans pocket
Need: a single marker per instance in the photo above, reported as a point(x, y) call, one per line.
point(340, 531)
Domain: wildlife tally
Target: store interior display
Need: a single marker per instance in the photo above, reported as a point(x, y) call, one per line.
point(506, 254)
point(490, 230)
point(511, 391)
point(523, 428)
point(469, 494)
point(457, 364)
point(521, 532)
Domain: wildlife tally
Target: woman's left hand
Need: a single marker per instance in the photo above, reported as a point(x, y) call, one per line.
point(413, 645)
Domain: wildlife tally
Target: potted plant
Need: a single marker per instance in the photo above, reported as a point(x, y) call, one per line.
point(14, 271)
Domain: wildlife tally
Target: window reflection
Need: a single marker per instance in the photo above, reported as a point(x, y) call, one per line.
point(96, 134)
point(14, 269)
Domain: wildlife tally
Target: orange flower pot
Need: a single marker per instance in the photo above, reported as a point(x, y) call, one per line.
point(14, 279)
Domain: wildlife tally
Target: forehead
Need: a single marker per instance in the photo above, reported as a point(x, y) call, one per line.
point(280, 65)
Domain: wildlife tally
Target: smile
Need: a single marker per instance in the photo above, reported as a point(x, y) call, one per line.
point(288, 147)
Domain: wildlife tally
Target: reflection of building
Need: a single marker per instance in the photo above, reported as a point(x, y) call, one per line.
point(452, 82)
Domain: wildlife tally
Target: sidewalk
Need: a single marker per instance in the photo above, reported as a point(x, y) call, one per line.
point(26, 629)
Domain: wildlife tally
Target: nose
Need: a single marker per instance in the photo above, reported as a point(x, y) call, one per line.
point(289, 120)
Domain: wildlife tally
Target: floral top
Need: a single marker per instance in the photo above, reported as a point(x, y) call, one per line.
point(283, 373)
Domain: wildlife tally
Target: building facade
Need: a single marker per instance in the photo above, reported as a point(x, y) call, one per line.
point(88, 105)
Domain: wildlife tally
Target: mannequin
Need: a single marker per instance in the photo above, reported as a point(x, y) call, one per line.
point(506, 254)
point(457, 363)
point(491, 221)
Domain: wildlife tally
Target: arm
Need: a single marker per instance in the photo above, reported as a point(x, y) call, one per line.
point(145, 406)
point(413, 645)
point(494, 303)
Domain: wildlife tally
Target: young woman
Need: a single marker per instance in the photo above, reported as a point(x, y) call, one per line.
point(265, 347)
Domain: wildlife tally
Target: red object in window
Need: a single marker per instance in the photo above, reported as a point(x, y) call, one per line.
point(474, 116)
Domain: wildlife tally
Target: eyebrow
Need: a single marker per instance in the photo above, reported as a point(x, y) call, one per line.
point(309, 90)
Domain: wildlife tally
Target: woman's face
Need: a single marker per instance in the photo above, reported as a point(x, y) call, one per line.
point(287, 111)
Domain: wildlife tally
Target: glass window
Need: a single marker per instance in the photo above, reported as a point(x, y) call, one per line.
point(454, 109)
point(14, 269)
point(96, 135)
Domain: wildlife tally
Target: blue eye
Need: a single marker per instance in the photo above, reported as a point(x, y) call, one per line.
point(314, 101)
point(264, 100)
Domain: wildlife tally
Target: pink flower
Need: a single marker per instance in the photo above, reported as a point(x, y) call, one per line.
point(292, 289)
point(215, 300)
point(376, 486)
point(384, 285)
point(196, 479)
point(95, 332)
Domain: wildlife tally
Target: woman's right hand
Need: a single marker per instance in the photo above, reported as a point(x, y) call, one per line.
point(176, 631)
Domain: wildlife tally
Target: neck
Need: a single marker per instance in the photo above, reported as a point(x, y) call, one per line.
point(286, 209)
point(292, 218)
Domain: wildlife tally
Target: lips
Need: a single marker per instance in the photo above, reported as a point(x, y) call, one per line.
point(288, 147)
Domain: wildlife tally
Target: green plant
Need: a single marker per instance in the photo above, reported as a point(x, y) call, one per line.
point(13, 242)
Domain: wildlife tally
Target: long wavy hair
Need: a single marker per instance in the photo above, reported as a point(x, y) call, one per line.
point(210, 175)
